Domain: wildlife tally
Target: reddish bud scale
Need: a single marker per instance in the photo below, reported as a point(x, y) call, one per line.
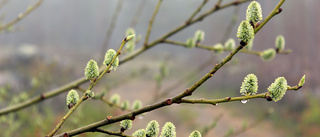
point(42, 97)
point(65, 135)
point(228, 98)
point(133, 117)
point(169, 101)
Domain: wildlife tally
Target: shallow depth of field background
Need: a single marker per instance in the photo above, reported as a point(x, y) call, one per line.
point(54, 43)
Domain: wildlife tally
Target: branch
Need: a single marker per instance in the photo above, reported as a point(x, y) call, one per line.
point(109, 32)
point(21, 16)
point(197, 11)
point(181, 27)
point(84, 97)
point(206, 129)
point(211, 48)
point(177, 99)
point(151, 22)
point(120, 134)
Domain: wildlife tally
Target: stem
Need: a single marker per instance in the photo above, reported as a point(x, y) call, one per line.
point(111, 132)
point(109, 32)
point(197, 10)
point(84, 97)
point(151, 22)
point(21, 15)
point(211, 48)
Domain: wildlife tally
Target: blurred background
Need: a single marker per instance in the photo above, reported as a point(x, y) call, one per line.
point(51, 47)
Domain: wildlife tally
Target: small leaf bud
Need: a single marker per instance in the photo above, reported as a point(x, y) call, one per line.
point(168, 130)
point(110, 54)
point(130, 37)
point(125, 105)
point(218, 48)
point(190, 43)
point(92, 70)
point(254, 12)
point(302, 81)
point(72, 98)
point(278, 88)
point(280, 42)
point(152, 129)
point(245, 32)
point(195, 133)
point(126, 124)
point(115, 99)
point(136, 104)
point(268, 55)
point(230, 44)
point(249, 85)
point(139, 133)
point(89, 93)
point(199, 36)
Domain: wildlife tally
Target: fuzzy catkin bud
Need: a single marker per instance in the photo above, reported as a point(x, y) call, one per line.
point(126, 124)
point(199, 36)
point(89, 93)
point(92, 70)
point(254, 12)
point(130, 31)
point(195, 133)
point(230, 44)
point(115, 99)
point(268, 55)
point(130, 46)
point(152, 129)
point(110, 54)
point(280, 42)
point(139, 133)
point(218, 48)
point(249, 85)
point(278, 88)
point(72, 98)
point(190, 43)
point(136, 104)
point(125, 105)
point(168, 130)
point(245, 32)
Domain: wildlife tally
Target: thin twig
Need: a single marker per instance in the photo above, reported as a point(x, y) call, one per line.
point(197, 10)
point(110, 132)
point(138, 13)
point(211, 48)
point(233, 22)
point(151, 22)
point(211, 126)
point(21, 16)
point(112, 26)
point(84, 97)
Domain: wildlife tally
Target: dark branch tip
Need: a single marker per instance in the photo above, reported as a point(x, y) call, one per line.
point(279, 10)
point(269, 98)
point(242, 43)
